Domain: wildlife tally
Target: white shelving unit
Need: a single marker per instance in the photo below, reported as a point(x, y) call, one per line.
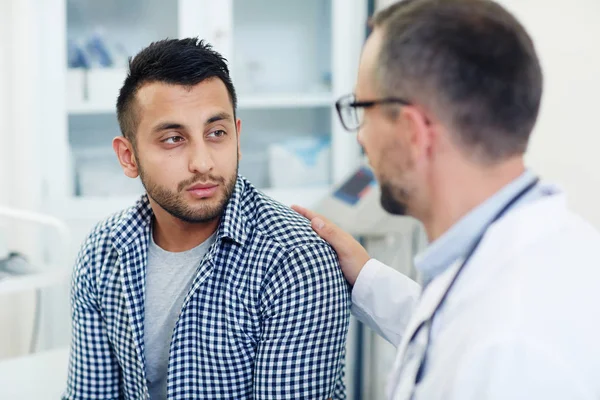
point(286, 100)
point(108, 81)
point(289, 59)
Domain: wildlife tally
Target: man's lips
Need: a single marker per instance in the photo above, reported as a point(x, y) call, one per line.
point(203, 186)
point(203, 190)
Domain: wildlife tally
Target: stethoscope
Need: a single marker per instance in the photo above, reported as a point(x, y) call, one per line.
point(427, 323)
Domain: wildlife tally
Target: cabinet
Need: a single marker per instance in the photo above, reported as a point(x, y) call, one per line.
point(289, 60)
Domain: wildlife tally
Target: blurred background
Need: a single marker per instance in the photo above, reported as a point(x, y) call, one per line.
point(62, 63)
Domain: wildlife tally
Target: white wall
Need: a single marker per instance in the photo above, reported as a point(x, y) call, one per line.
point(5, 72)
point(20, 178)
point(566, 141)
point(19, 170)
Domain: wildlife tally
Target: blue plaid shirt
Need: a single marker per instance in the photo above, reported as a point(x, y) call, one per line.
point(266, 317)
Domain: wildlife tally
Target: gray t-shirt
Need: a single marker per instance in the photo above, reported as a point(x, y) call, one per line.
point(169, 277)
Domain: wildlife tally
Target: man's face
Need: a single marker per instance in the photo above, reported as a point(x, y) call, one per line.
point(382, 135)
point(187, 148)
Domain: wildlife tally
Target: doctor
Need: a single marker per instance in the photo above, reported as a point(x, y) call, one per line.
point(447, 95)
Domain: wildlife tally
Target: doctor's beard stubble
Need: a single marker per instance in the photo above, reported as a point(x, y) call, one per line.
point(390, 199)
point(394, 197)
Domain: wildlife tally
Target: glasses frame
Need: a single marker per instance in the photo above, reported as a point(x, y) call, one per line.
point(343, 103)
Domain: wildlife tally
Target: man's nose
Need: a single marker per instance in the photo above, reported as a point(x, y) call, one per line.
point(201, 161)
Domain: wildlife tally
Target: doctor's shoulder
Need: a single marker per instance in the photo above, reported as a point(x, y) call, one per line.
point(557, 308)
point(533, 304)
point(575, 239)
point(550, 269)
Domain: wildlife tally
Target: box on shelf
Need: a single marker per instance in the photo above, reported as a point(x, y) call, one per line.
point(98, 87)
point(300, 161)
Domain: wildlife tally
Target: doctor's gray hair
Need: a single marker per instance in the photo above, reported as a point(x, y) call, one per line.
point(470, 63)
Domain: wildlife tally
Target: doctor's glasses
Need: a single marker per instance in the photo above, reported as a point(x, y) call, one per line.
point(351, 112)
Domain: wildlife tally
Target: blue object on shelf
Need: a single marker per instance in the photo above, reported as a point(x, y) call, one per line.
point(307, 148)
point(99, 51)
point(300, 161)
point(76, 56)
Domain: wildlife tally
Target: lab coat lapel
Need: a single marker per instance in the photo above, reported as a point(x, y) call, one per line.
point(407, 362)
point(523, 234)
point(552, 203)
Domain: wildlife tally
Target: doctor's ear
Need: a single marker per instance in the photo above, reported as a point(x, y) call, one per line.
point(420, 128)
point(124, 150)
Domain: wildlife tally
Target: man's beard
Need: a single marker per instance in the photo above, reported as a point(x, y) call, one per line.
point(394, 198)
point(174, 203)
point(391, 199)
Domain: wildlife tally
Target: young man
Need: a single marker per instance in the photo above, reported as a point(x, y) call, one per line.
point(205, 288)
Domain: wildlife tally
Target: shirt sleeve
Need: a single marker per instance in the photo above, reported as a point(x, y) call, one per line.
point(305, 311)
point(93, 369)
point(384, 300)
point(514, 369)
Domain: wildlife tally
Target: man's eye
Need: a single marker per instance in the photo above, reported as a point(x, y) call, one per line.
point(218, 133)
point(173, 140)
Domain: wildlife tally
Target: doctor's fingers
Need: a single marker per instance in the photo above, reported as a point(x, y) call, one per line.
point(343, 243)
point(351, 254)
point(305, 212)
point(321, 225)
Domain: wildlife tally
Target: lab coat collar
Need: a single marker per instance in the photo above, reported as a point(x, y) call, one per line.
point(531, 216)
point(455, 243)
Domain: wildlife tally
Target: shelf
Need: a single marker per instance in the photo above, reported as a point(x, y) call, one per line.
point(92, 108)
point(83, 213)
point(94, 91)
point(102, 88)
point(36, 280)
point(97, 208)
point(262, 101)
point(306, 197)
point(91, 208)
point(290, 100)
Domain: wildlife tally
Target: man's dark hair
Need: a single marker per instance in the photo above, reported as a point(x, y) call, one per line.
point(468, 61)
point(185, 62)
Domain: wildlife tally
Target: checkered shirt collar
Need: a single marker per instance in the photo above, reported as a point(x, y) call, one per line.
point(136, 221)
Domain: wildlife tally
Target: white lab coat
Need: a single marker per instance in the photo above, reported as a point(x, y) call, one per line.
point(522, 321)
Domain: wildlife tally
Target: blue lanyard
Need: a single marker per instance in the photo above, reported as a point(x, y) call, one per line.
point(429, 321)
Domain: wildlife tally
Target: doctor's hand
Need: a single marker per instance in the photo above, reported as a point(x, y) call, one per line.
point(351, 254)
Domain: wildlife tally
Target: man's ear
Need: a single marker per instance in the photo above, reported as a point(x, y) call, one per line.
point(238, 127)
point(420, 133)
point(124, 151)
